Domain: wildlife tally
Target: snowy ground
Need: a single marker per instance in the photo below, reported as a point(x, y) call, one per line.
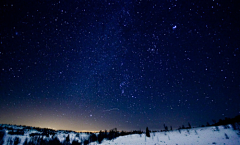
point(61, 135)
point(195, 136)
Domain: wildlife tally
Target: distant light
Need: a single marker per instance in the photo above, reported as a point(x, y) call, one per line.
point(174, 27)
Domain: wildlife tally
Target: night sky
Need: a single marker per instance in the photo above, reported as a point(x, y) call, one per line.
point(100, 64)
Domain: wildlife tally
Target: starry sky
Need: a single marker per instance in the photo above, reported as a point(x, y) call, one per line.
point(101, 64)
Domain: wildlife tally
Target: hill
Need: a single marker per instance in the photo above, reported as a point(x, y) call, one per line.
point(224, 134)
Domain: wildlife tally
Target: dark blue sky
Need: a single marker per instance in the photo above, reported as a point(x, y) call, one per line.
point(91, 65)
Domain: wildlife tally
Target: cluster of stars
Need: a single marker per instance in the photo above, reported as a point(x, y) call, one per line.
point(122, 64)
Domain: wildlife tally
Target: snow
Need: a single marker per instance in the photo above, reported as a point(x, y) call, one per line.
point(61, 135)
point(195, 136)
point(72, 135)
point(224, 135)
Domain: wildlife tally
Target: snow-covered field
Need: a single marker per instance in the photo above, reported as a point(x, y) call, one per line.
point(196, 136)
point(61, 135)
